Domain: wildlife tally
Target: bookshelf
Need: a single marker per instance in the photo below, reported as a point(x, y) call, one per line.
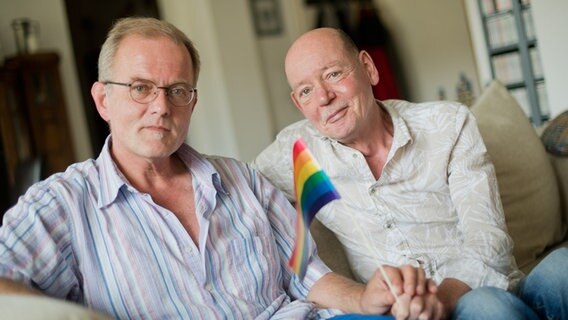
point(511, 48)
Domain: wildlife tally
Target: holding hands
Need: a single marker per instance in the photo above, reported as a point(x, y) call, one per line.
point(416, 295)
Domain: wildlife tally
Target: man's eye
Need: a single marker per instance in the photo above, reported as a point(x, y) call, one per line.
point(305, 92)
point(141, 88)
point(334, 74)
point(178, 91)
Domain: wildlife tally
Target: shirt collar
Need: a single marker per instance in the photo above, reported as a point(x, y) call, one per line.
point(112, 180)
point(401, 134)
point(202, 170)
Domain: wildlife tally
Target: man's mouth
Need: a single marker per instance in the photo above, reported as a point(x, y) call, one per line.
point(335, 115)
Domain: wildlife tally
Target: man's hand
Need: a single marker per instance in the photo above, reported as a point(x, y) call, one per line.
point(421, 307)
point(415, 295)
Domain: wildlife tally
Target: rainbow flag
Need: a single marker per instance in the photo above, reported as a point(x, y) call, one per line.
point(313, 191)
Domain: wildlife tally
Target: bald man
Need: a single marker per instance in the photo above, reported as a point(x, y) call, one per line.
point(416, 183)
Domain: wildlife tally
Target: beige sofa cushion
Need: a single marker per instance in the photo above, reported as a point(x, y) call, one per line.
point(527, 183)
point(330, 250)
point(13, 307)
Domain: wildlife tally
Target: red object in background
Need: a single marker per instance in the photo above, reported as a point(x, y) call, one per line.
point(372, 36)
point(386, 88)
point(369, 34)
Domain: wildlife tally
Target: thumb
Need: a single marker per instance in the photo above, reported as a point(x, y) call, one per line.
point(401, 308)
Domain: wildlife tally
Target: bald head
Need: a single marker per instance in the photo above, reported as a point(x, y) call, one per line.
point(317, 42)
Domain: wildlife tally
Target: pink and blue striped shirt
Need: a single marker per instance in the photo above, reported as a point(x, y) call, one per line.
point(87, 235)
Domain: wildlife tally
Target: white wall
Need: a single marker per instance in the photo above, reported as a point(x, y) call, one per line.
point(243, 94)
point(54, 35)
point(211, 129)
point(551, 24)
point(433, 41)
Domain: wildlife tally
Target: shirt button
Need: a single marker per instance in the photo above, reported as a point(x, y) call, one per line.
point(432, 273)
point(372, 191)
point(354, 155)
point(389, 225)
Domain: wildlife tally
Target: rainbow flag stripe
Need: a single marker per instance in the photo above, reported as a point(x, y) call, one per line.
point(313, 190)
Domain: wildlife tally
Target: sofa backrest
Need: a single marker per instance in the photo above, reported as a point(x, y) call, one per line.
point(527, 181)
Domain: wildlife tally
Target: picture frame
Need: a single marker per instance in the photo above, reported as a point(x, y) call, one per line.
point(267, 17)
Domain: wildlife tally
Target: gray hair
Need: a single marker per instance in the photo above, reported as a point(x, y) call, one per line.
point(148, 28)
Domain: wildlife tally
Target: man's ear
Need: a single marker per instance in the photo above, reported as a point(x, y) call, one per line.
point(369, 66)
point(99, 96)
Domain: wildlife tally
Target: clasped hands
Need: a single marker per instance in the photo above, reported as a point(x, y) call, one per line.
point(416, 295)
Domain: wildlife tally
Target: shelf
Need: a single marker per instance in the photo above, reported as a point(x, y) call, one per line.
point(511, 48)
point(518, 85)
point(512, 53)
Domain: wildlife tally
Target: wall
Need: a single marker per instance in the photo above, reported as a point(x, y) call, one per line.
point(551, 24)
point(243, 94)
point(233, 115)
point(434, 45)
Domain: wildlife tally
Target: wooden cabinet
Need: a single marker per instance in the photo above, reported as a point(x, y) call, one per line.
point(34, 122)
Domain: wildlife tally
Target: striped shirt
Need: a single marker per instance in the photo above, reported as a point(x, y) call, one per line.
point(435, 205)
point(87, 235)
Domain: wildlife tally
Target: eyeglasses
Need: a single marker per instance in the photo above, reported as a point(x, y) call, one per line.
point(144, 91)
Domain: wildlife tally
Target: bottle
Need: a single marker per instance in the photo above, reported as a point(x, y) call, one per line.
point(26, 35)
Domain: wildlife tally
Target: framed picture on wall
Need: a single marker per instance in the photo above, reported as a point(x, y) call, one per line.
point(267, 17)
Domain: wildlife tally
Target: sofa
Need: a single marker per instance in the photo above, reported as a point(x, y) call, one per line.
point(533, 183)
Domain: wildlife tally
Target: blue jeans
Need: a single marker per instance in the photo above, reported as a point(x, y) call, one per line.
point(542, 294)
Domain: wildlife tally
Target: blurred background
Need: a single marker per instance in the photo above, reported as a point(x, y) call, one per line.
point(424, 50)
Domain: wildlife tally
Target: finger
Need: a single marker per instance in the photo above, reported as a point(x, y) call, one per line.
point(395, 277)
point(433, 310)
point(378, 292)
point(421, 281)
point(440, 311)
point(431, 285)
point(400, 310)
point(410, 276)
point(417, 305)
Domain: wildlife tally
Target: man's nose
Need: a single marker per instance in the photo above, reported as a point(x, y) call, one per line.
point(160, 104)
point(324, 94)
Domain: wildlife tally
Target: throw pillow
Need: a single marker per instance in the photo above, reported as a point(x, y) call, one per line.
point(527, 183)
point(555, 136)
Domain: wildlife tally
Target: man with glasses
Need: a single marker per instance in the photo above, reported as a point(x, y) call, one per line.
point(154, 229)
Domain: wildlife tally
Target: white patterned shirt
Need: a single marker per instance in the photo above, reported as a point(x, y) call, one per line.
point(87, 235)
point(435, 205)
